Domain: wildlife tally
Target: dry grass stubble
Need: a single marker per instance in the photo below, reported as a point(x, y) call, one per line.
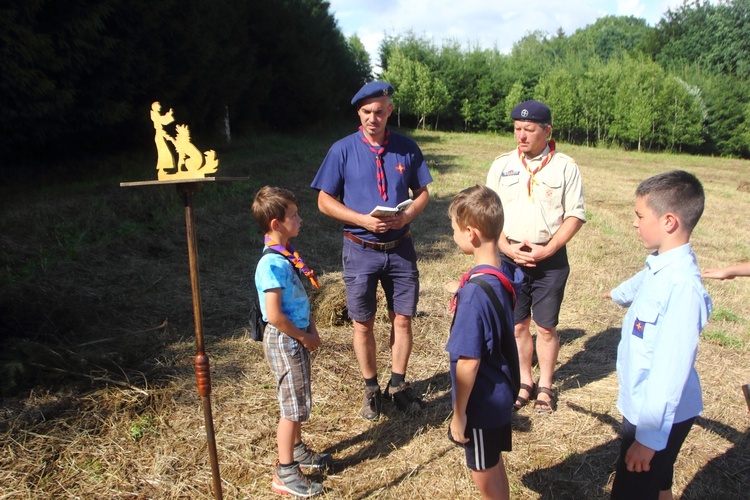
point(144, 438)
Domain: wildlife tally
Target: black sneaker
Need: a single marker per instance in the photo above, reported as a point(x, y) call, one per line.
point(372, 403)
point(310, 460)
point(291, 481)
point(404, 397)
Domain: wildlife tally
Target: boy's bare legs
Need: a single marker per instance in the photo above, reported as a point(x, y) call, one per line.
point(493, 483)
point(401, 341)
point(288, 434)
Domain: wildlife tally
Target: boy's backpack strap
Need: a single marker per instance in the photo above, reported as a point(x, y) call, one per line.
point(508, 348)
point(503, 279)
point(267, 250)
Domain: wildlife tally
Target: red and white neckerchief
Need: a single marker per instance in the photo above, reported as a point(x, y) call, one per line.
point(380, 171)
point(467, 276)
point(545, 161)
point(290, 253)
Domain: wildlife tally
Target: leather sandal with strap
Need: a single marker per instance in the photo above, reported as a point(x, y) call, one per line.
point(522, 401)
point(542, 406)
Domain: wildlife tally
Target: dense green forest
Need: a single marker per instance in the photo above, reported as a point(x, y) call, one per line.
point(679, 86)
point(85, 71)
point(77, 70)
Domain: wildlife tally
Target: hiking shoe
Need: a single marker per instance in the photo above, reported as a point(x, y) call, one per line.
point(291, 481)
point(309, 460)
point(404, 397)
point(372, 403)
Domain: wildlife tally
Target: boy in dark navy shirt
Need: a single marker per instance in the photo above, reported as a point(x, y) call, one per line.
point(483, 355)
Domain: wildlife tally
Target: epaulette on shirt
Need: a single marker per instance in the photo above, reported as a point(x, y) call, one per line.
point(504, 154)
point(564, 156)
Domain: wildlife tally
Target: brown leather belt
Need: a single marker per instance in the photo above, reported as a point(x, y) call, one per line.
point(380, 247)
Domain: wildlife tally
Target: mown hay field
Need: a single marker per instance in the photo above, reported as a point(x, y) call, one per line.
point(99, 391)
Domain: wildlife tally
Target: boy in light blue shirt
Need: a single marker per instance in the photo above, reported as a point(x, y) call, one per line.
point(660, 394)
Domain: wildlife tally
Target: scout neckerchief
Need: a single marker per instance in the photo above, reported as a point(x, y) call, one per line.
point(290, 253)
point(380, 171)
point(494, 272)
point(545, 161)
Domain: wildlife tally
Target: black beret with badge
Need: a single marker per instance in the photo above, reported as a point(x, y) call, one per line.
point(372, 89)
point(532, 111)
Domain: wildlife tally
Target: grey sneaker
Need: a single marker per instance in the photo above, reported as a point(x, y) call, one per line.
point(309, 460)
point(372, 403)
point(291, 481)
point(404, 397)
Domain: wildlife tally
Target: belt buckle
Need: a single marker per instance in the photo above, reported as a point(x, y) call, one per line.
point(390, 245)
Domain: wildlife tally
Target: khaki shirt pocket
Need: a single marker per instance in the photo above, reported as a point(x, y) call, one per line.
point(550, 192)
point(509, 188)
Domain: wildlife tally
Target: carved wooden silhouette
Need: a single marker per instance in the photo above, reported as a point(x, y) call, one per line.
point(191, 164)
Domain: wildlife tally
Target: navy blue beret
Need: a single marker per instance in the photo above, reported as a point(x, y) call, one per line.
point(373, 89)
point(532, 111)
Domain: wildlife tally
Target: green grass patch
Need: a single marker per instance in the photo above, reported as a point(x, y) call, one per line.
point(722, 314)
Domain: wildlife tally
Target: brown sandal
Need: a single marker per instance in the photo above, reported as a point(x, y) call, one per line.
point(542, 406)
point(522, 401)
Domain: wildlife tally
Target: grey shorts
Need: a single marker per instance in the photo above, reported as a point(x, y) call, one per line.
point(289, 361)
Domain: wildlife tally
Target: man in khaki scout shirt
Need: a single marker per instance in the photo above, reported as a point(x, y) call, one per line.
point(542, 198)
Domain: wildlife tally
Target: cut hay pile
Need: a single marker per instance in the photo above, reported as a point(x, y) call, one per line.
point(110, 408)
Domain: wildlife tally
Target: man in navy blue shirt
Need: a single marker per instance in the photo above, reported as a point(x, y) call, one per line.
point(370, 168)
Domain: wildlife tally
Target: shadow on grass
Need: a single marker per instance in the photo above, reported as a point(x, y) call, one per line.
point(595, 361)
point(580, 475)
point(396, 428)
point(728, 475)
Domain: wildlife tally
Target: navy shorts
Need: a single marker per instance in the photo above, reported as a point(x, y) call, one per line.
point(542, 290)
point(485, 445)
point(396, 271)
point(647, 485)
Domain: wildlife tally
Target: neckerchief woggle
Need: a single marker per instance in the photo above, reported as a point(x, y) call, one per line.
point(545, 161)
point(290, 253)
point(379, 171)
point(494, 272)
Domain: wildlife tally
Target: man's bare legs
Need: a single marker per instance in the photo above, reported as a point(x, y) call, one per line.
point(525, 353)
point(401, 341)
point(547, 349)
point(365, 346)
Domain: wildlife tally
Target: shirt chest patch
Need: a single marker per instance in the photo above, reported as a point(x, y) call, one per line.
point(638, 327)
point(400, 168)
point(509, 173)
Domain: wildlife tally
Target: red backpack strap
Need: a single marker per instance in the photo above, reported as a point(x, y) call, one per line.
point(503, 279)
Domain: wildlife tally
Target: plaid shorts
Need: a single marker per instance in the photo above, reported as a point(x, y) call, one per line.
point(289, 361)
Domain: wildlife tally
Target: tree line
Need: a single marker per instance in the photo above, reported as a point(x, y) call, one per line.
point(79, 73)
point(75, 72)
point(679, 86)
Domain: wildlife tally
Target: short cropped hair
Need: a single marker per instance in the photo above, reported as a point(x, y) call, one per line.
point(678, 192)
point(271, 203)
point(479, 207)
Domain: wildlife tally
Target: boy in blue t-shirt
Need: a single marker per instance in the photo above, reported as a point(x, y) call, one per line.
point(483, 355)
point(660, 394)
point(289, 337)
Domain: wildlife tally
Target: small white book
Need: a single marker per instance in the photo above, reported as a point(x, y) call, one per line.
point(386, 211)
